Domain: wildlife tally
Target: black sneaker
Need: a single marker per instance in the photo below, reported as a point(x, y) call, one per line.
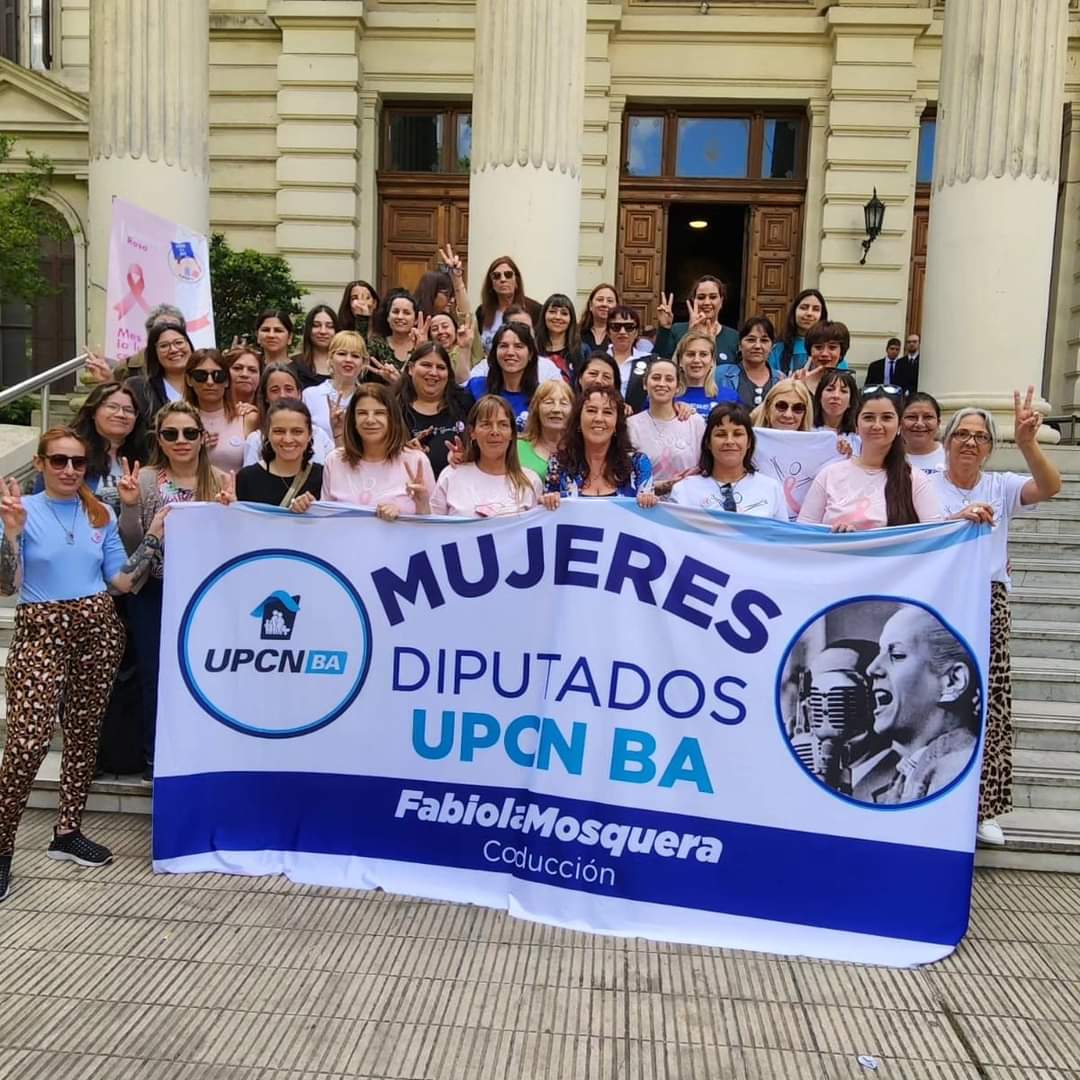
point(74, 847)
point(5, 876)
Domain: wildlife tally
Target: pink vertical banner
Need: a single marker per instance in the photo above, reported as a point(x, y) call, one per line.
point(154, 261)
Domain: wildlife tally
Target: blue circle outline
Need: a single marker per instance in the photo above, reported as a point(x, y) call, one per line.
point(200, 594)
point(849, 799)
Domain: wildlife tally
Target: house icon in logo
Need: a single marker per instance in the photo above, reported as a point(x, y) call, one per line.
point(277, 614)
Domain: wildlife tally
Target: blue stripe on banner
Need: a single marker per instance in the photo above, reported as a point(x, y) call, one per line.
point(838, 883)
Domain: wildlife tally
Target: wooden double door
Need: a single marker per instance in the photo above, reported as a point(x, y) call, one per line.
point(771, 245)
point(414, 225)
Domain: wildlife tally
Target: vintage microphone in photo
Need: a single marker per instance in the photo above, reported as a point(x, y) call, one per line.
point(835, 711)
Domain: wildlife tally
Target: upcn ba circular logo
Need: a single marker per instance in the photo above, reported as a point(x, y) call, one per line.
point(275, 643)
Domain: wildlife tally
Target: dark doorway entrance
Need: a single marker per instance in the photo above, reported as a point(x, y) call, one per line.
point(716, 247)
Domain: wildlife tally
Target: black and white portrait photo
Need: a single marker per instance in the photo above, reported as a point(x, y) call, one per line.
point(880, 701)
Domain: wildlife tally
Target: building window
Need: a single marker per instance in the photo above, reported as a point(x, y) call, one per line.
point(714, 145)
point(40, 25)
point(9, 30)
point(924, 169)
point(427, 139)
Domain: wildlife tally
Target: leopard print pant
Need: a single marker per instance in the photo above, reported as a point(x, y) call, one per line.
point(66, 649)
point(995, 785)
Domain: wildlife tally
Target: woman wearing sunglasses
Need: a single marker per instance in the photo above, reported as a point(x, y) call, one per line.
point(179, 471)
point(629, 351)
point(876, 487)
point(503, 286)
point(60, 551)
point(227, 425)
point(788, 406)
point(968, 491)
point(725, 477)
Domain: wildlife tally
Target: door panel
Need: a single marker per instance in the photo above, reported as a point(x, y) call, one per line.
point(773, 273)
point(639, 267)
point(920, 232)
point(414, 227)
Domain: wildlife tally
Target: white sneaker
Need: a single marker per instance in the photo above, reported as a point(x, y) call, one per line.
point(990, 832)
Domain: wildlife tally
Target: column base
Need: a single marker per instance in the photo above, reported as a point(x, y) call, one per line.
point(1001, 406)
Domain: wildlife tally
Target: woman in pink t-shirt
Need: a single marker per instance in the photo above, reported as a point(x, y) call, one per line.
point(491, 481)
point(373, 467)
point(878, 487)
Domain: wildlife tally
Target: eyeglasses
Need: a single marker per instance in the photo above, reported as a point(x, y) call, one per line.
point(797, 407)
point(172, 434)
point(979, 438)
point(622, 327)
point(172, 346)
point(217, 375)
point(118, 410)
point(727, 497)
point(62, 461)
point(883, 388)
point(502, 275)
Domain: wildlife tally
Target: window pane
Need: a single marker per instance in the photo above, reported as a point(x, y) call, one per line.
point(464, 143)
point(645, 146)
point(712, 147)
point(778, 161)
point(416, 142)
point(924, 170)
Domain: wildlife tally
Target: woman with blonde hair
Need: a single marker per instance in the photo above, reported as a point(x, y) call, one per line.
point(788, 406)
point(179, 470)
point(549, 413)
point(348, 365)
point(694, 357)
point(61, 553)
point(491, 481)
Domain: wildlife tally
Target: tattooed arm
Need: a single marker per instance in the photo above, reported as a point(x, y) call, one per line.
point(10, 565)
point(13, 517)
point(142, 560)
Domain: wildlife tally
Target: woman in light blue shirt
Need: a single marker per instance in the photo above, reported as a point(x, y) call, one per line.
point(61, 552)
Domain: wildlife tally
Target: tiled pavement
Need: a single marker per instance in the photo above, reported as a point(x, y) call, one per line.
point(119, 974)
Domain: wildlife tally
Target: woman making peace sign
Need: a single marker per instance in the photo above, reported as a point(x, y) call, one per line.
point(60, 551)
point(704, 305)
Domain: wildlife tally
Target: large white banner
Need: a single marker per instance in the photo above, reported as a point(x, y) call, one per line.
point(154, 261)
point(687, 726)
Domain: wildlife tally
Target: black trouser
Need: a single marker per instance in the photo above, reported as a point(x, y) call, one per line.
point(145, 611)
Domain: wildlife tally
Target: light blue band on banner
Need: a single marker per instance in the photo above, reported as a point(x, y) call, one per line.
point(833, 882)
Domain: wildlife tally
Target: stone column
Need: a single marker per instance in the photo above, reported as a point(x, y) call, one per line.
point(528, 95)
point(994, 202)
point(149, 120)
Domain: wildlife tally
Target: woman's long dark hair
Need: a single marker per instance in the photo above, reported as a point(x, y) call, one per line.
point(452, 399)
point(380, 321)
point(282, 316)
point(848, 421)
point(346, 320)
point(791, 327)
point(261, 400)
point(307, 346)
point(287, 405)
point(97, 447)
point(899, 501)
point(600, 357)
point(573, 335)
point(429, 286)
point(741, 418)
point(530, 380)
point(586, 315)
point(153, 365)
point(489, 300)
point(617, 460)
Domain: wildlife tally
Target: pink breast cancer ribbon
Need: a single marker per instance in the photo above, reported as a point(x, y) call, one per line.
point(136, 287)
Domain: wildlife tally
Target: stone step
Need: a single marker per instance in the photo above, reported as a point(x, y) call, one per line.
point(1046, 725)
point(1060, 508)
point(1040, 679)
point(1046, 573)
point(1042, 545)
point(1046, 779)
point(1044, 605)
point(1037, 839)
point(1050, 640)
point(111, 794)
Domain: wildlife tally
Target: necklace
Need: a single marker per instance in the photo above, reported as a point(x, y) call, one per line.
point(665, 438)
point(69, 533)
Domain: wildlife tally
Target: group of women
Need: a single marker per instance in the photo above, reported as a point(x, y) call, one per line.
point(409, 404)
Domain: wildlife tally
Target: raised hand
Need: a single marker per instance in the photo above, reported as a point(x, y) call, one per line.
point(127, 487)
point(420, 330)
point(451, 261)
point(97, 368)
point(465, 334)
point(665, 314)
point(337, 417)
point(157, 526)
point(698, 319)
point(210, 439)
point(1026, 420)
point(387, 372)
point(416, 488)
point(227, 495)
point(456, 451)
point(417, 441)
point(12, 511)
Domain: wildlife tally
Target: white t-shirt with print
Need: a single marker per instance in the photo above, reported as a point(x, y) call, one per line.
point(931, 463)
point(755, 494)
point(467, 491)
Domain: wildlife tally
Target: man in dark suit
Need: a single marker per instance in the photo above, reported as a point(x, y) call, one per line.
point(895, 370)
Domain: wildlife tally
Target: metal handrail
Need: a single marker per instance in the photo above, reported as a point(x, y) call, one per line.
point(43, 381)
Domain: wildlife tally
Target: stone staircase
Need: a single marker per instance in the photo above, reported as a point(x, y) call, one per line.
point(1044, 829)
